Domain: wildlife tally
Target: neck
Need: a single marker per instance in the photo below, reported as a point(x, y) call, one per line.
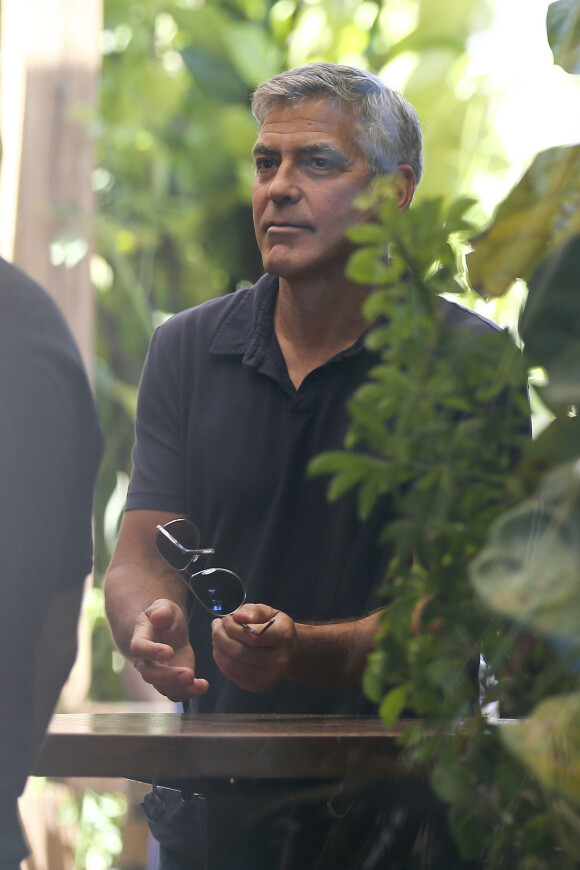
point(313, 323)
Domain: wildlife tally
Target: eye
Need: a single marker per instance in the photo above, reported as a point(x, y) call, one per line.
point(264, 164)
point(321, 163)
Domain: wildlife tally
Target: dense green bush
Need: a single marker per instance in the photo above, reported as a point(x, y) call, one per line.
point(486, 553)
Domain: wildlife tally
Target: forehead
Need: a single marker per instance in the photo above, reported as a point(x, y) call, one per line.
point(312, 120)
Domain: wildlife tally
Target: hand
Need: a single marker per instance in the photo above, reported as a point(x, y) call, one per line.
point(254, 662)
point(162, 654)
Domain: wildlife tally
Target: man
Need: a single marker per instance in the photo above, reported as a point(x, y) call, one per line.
point(50, 447)
point(236, 398)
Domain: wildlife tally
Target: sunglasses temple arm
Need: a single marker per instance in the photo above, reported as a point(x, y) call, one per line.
point(258, 631)
point(179, 545)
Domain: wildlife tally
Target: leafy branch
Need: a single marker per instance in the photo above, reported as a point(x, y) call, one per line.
point(438, 429)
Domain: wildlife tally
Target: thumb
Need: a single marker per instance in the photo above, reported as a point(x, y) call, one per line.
point(161, 615)
point(254, 613)
point(169, 620)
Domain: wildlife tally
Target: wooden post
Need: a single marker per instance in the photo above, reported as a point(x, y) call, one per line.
point(50, 59)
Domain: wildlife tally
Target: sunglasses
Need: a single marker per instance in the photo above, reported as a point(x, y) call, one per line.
point(218, 590)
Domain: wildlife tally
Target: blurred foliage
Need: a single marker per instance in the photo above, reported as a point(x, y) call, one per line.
point(564, 34)
point(549, 743)
point(542, 211)
point(97, 819)
point(418, 433)
point(437, 427)
point(485, 553)
point(530, 565)
point(550, 323)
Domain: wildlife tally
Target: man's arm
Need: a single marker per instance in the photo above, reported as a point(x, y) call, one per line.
point(146, 604)
point(331, 654)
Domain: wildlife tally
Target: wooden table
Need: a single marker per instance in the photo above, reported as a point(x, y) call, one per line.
point(217, 751)
point(171, 746)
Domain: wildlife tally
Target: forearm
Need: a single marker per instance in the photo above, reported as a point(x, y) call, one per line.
point(138, 576)
point(333, 654)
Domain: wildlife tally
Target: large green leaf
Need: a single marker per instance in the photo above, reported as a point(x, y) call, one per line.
point(563, 24)
point(539, 214)
point(530, 568)
point(550, 322)
point(548, 744)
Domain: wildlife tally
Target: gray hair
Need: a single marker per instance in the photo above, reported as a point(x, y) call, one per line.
point(387, 127)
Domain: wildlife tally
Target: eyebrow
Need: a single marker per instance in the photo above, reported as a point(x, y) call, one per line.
point(260, 150)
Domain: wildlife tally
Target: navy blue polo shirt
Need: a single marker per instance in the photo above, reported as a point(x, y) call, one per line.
point(223, 436)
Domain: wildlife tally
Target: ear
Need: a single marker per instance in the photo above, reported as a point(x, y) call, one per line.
point(404, 185)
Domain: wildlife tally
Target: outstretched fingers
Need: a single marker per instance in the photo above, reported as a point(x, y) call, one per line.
point(177, 684)
point(161, 652)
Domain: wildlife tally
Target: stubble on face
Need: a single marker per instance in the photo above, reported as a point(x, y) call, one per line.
point(309, 171)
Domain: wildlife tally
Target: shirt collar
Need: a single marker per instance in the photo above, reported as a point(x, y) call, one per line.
point(248, 328)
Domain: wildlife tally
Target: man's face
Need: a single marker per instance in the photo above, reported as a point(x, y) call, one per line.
point(309, 170)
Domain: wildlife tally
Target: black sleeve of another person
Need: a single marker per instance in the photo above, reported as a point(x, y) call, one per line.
point(50, 448)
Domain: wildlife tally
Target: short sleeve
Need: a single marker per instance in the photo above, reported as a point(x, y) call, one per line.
point(158, 477)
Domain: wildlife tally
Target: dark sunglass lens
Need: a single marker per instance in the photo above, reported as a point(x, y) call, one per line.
point(219, 590)
point(171, 553)
point(186, 533)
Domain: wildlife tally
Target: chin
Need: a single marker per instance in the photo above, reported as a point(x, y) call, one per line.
point(280, 268)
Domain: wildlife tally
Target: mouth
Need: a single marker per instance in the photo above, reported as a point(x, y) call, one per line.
point(284, 226)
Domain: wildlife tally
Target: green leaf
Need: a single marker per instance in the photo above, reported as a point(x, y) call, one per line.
point(367, 234)
point(530, 567)
point(539, 214)
point(373, 676)
point(550, 322)
point(548, 744)
point(455, 218)
point(333, 461)
point(344, 481)
point(393, 705)
point(452, 782)
point(381, 302)
point(367, 266)
point(369, 492)
point(563, 25)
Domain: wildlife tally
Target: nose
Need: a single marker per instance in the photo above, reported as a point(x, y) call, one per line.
point(284, 185)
